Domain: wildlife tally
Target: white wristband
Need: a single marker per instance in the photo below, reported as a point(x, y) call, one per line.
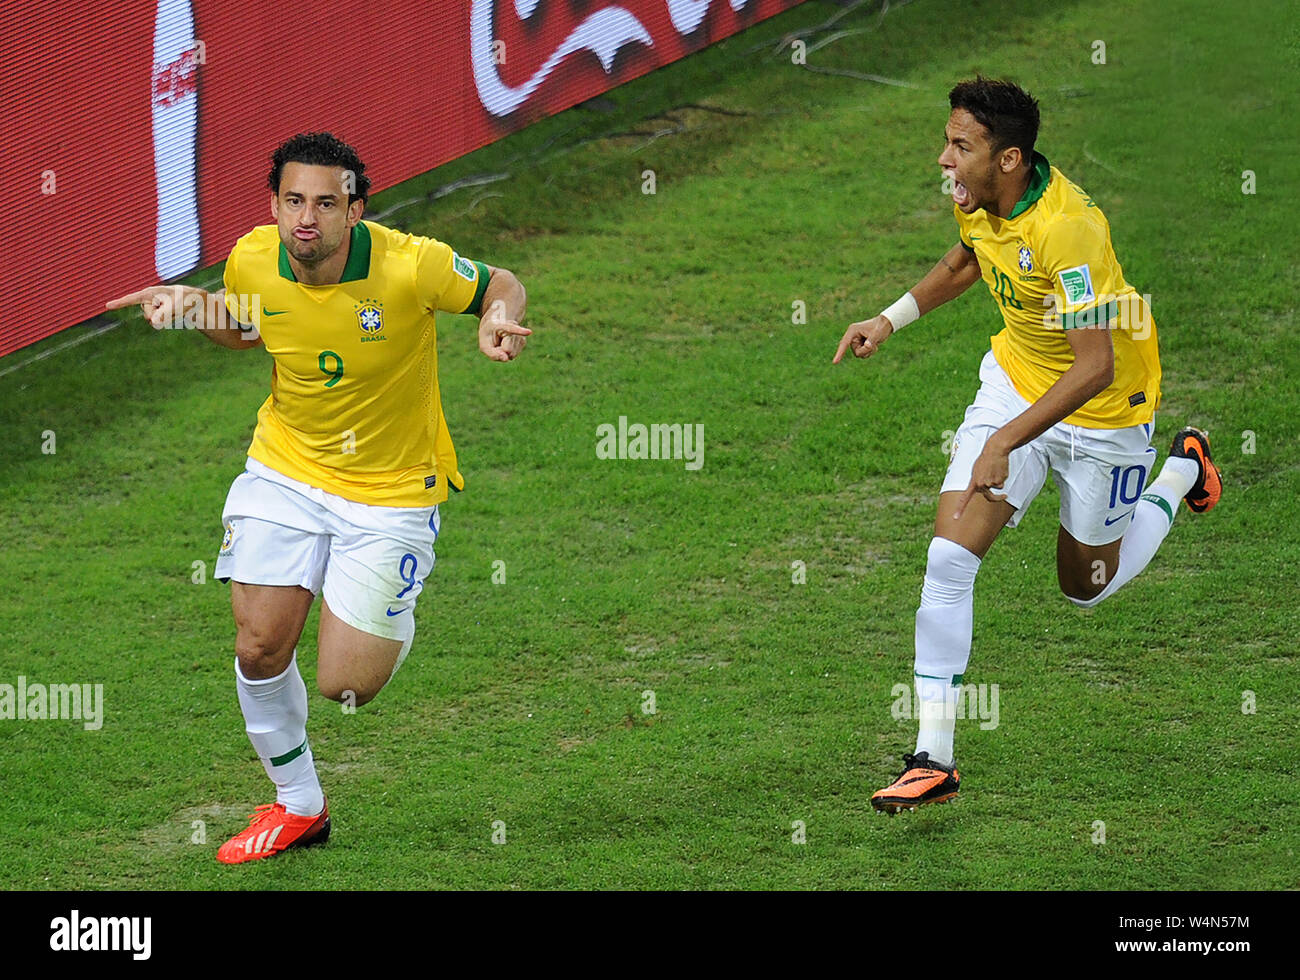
point(903, 312)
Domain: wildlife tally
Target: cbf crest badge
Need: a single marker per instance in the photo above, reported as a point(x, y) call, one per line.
point(370, 318)
point(1026, 259)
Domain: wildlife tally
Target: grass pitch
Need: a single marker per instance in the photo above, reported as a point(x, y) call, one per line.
point(1166, 715)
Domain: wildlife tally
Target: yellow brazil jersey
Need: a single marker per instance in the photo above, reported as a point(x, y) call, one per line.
point(355, 408)
point(1051, 267)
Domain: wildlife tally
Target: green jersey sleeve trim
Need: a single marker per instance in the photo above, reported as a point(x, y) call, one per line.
point(475, 307)
point(1093, 316)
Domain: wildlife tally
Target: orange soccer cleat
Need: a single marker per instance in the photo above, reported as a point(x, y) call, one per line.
point(921, 782)
point(273, 829)
point(1194, 444)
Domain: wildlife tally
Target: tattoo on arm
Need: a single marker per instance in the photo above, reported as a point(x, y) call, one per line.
point(947, 266)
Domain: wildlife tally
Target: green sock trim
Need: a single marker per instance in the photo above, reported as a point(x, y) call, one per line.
point(1164, 504)
point(956, 678)
point(289, 756)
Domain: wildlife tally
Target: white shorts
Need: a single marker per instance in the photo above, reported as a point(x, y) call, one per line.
point(371, 561)
point(1100, 472)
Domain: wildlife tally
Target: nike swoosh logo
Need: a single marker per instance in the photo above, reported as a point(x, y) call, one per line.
point(974, 238)
point(1109, 521)
point(398, 613)
point(266, 312)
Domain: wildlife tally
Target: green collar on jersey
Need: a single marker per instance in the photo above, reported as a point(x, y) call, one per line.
point(1039, 178)
point(358, 266)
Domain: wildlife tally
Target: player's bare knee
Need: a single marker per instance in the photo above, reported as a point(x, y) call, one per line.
point(346, 686)
point(261, 654)
point(1082, 591)
point(1085, 580)
point(1079, 593)
point(340, 690)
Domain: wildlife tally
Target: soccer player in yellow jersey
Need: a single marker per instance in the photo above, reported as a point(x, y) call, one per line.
point(1070, 387)
point(350, 458)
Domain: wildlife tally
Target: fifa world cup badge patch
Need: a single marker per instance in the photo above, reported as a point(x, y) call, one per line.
point(370, 318)
point(228, 539)
point(1077, 283)
point(463, 268)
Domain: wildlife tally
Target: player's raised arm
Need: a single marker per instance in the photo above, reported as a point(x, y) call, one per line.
point(500, 336)
point(188, 307)
point(952, 276)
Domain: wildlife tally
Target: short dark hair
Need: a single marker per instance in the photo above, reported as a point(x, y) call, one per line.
point(324, 150)
point(1007, 111)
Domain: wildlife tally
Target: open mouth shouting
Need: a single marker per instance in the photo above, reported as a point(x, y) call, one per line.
point(960, 193)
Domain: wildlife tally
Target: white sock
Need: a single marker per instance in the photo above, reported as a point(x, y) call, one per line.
point(944, 623)
point(936, 701)
point(275, 717)
point(1152, 519)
